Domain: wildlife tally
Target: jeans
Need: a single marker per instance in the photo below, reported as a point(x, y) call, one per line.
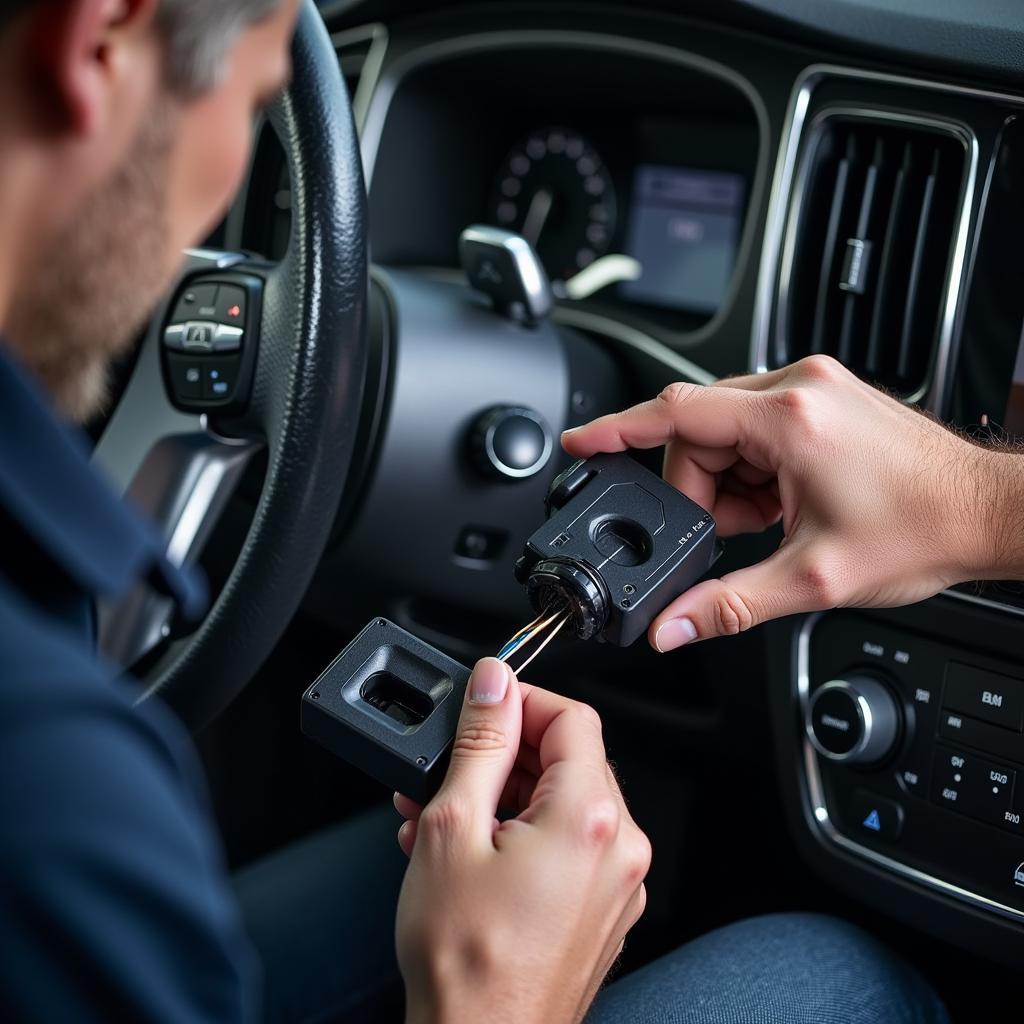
point(321, 913)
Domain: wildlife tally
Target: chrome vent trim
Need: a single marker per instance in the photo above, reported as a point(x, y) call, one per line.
point(777, 253)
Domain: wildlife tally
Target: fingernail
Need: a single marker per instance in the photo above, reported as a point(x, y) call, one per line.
point(569, 430)
point(673, 634)
point(489, 682)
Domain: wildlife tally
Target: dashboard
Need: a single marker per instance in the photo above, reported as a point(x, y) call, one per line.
point(607, 148)
point(602, 150)
point(594, 153)
point(713, 189)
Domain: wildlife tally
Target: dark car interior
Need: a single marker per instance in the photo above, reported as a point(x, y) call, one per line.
point(713, 189)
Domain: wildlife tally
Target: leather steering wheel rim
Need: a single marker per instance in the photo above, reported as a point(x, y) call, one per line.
point(307, 389)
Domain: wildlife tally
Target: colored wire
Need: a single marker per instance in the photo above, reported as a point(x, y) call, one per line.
point(551, 636)
point(515, 636)
point(510, 648)
point(516, 642)
point(527, 634)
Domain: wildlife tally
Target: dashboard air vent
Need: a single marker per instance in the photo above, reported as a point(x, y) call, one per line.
point(876, 225)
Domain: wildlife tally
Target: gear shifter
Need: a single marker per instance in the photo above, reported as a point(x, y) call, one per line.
point(505, 267)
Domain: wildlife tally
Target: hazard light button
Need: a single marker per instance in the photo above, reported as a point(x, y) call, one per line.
point(875, 816)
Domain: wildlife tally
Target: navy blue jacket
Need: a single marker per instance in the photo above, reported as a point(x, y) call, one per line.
point(114, 901)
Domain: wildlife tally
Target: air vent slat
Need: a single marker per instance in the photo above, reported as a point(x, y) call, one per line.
point(828, 257)
point(924, 221)
point(853, 305)
point(880, 321)
point(875, 233)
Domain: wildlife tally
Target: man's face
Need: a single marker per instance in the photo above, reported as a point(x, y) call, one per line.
point(103, 270)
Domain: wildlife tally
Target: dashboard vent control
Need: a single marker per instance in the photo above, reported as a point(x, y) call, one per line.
point(876, 210)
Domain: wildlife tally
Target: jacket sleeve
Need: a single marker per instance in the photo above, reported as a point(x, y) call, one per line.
point(114, 901)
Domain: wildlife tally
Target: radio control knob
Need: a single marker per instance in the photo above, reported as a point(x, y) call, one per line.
point(856, 720)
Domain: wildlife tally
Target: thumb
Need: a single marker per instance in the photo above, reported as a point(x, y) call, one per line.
point(485, 747)
point(786, 583)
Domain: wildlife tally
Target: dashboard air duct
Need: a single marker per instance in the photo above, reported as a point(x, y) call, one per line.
point(871, 235)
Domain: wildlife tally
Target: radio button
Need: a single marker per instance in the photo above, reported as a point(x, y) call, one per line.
point(913, 781)
point(972, 732)
point(977, 788)
point(992, 698)
point(991, 792)
point(872, 815)
point(1013, 820)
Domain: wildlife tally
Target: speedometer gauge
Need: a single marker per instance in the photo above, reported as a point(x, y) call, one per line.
point(555, 190)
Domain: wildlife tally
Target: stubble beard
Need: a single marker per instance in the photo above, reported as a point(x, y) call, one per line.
point(95, 285)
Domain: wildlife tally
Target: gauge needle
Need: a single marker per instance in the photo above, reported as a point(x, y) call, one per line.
point(537, 215)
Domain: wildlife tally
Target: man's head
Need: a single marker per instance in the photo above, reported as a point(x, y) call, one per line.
point(124, 133)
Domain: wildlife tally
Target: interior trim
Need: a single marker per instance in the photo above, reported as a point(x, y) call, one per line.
point(624, 334)
point(607, 327)
point(376, 35)
point(372, 127)
point(985, 602)
point(777, 253)
point(815, 807)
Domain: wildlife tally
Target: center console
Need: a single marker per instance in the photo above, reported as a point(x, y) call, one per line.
point(902, 741)
point(912, 749)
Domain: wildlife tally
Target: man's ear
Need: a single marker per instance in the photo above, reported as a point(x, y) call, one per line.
point(80, 49)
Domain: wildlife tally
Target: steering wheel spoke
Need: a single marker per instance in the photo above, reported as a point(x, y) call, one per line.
point(296, 387)
point(174, 469)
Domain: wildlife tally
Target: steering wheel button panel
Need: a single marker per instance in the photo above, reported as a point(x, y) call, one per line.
point(216, 324)
point(227, 339)
point(186, 376)
point(174, 336)
point(198, 302)
point(219, 379)
point(230, 305)
point(197, 335)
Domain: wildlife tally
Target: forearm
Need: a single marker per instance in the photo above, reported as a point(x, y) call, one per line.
point(996, 496)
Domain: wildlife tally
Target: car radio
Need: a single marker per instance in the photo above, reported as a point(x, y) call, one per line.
point(914, 756)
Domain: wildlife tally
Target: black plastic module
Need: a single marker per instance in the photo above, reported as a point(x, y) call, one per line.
point(389, 704)
point(619, 546)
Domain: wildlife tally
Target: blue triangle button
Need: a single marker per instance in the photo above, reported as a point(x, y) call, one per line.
point(873, 822)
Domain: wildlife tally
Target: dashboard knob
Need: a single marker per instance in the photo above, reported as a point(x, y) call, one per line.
point(511, 442)
point(856, 720)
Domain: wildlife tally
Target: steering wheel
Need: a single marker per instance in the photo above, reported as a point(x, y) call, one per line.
point(297, 367)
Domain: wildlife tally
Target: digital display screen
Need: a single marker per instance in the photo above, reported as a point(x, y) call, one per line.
point(684, 227)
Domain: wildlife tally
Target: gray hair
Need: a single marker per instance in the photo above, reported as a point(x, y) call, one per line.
point(198, 35)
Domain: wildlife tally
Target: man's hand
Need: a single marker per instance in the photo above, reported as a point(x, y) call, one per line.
point(520, 920)
point(881, 506)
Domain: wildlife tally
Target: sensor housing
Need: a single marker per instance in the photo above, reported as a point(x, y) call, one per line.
point(619, 545)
